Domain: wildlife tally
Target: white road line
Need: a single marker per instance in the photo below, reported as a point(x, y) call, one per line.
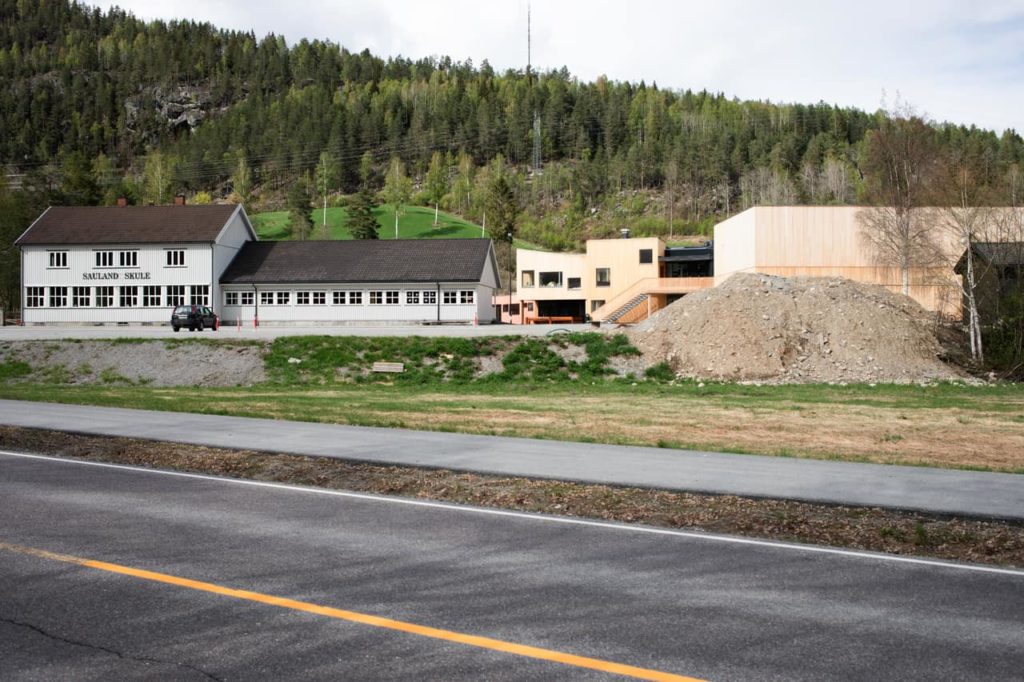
point(542, 518)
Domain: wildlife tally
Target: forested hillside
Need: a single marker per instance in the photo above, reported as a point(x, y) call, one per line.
point(100, 104)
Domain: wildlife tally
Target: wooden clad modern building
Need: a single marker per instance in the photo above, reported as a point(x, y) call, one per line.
point(126, 264)
point(827, 241)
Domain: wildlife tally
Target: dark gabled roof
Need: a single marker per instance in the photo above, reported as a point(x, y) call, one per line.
point(127, 224)
point(999, 254)
point(369, 260)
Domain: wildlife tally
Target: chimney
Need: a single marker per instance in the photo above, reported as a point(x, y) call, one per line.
point(624, 232)
point(122, 202)
point(179, 200)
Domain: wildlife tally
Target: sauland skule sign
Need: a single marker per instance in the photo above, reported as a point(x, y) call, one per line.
point(116, 275)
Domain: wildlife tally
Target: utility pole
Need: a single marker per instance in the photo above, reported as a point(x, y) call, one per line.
point(324, 175)
point(529, 83)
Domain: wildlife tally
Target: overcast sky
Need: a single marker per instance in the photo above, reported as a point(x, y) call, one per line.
point(952, 60)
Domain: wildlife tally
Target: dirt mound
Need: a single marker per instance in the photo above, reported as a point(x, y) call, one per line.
point(795, 330)
point(154, 363)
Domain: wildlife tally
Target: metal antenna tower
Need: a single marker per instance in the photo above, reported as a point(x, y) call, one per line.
point(529, 81)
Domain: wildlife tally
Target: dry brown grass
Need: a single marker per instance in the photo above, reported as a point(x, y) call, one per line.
point(885, 435)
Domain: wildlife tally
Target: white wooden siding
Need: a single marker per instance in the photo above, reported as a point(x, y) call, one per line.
point(231, 239)
point(480, 310)
point(152, 263)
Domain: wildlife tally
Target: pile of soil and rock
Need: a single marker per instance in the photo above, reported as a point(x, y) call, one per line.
point(154, 363)
point(795, 330)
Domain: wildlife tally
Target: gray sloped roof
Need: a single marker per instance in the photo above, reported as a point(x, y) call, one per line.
point(371, 260)
point(127, 224)
point(999, 254)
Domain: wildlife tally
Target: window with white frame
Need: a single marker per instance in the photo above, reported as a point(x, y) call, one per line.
point(355, 298)
point(200, 294)
point(230, 298)
point(603, 277)
point(319, 298)
point(266, 298)
point(128, 259)
point(467, 296)
point(175, 258)
point(451, 297)
point(104, 297)
point(430, 297)
point(412, 298)
point(376, 297)
point(81, 297)
point(129, 297)
point(247, 298)
point(391, 297)
point(151, 296)
point(338, 297)
point(58, 259)
point(104, 259)
point(302, 298)
point(34, 297)
point(58, 297)
point(283, 297)
point(176, 294)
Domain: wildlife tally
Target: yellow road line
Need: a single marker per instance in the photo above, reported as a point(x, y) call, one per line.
point(366, 619)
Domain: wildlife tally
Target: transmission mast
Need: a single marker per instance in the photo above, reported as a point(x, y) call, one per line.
point(529, 82)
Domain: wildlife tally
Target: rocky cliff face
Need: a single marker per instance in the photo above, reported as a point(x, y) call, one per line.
point(180, 107)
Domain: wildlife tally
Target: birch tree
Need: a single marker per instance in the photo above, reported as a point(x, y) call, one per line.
point(437, 181)
point(900, 166)
point(397, 189)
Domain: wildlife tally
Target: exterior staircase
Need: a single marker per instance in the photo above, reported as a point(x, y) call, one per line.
point(646, 297)
point(625, 308)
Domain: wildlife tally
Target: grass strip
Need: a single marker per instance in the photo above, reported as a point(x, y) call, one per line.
point(864, 528)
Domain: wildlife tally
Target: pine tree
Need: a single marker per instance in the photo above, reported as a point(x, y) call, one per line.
point(300, 222)
point(361, 222)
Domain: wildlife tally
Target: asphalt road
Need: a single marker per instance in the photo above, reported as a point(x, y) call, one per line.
point(703, 606)
point(44, 332)
point(966, 493)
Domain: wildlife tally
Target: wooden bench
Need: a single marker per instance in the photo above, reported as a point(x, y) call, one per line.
point(394, 367)
point(551, 319)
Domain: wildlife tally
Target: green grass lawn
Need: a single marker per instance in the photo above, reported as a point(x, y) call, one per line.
point(545, 388)
point(417, 222)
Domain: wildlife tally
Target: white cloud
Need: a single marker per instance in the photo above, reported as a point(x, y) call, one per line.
point(956, 61)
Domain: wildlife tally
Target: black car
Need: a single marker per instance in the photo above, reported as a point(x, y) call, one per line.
point(194, 317)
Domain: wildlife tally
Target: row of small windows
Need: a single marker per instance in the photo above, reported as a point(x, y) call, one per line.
point(554, 279)
point(119, 259)
point(602, 276)
point(347, 297)
point(124, 297)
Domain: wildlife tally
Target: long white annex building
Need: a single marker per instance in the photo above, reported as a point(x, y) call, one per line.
point(132, 264)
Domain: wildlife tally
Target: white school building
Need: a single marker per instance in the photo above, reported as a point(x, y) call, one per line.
point(132, 264)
